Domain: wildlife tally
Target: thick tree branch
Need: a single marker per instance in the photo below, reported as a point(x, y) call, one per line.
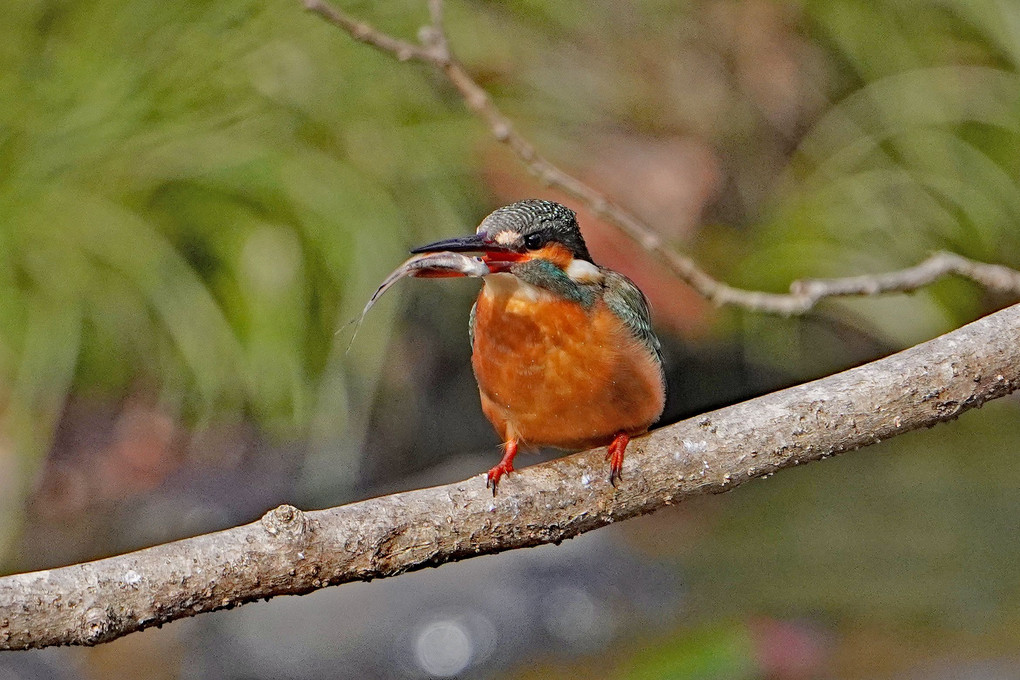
point(803, 296)
point(292, 552)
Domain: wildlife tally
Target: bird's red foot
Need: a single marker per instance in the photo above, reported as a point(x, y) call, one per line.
point(615, 457)
point(504, 466)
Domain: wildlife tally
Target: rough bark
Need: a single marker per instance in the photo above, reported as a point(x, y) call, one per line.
point(291, 552)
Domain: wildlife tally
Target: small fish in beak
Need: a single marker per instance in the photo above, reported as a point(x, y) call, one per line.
point(430, 265)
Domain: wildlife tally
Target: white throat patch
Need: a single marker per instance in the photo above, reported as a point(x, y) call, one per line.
point(506, 285)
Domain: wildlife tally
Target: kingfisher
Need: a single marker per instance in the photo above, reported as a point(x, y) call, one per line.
point(562, 348)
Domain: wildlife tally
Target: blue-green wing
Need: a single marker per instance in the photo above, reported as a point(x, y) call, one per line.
point(627, 302)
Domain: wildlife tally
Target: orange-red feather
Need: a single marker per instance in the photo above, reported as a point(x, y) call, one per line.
point(552, 373)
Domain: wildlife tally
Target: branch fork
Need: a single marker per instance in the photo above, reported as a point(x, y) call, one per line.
point(804, 295)
point(288, 551)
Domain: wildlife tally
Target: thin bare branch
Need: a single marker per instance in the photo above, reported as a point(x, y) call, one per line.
point(436, 15)
point(291, 552)
point(363, 32)
point(991, 276)
point(803, 296)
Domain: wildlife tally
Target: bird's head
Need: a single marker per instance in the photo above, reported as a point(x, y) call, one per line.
point(527, 230)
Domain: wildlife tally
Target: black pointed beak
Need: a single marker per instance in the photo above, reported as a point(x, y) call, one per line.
point(476, 243)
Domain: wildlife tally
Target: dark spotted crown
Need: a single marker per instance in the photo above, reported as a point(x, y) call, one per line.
point(533, 223)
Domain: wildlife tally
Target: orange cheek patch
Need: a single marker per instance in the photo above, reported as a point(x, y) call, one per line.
point(555, 253)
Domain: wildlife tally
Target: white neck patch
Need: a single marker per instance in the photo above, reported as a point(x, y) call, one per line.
point(582, 271)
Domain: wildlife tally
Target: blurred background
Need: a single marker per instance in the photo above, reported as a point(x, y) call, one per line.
point(196, 197)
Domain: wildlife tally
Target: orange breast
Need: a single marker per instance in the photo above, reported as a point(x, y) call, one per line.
point(552, 373)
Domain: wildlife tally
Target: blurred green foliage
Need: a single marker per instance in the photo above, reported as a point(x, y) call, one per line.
point(195, 196)
point(916, 154)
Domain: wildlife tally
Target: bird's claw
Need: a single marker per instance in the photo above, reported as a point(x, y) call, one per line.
point(493, 476)
point(504, 466)
point(615, 457)
point(615, 470)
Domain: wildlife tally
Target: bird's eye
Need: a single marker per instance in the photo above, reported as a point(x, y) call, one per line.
point(534, 241)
